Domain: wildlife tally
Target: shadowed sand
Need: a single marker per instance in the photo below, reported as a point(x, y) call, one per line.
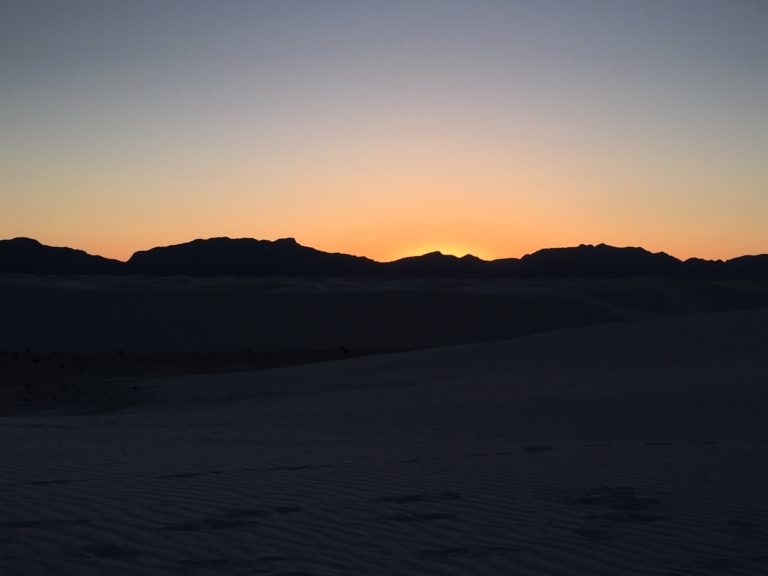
point(180, 315)
point(633, 448)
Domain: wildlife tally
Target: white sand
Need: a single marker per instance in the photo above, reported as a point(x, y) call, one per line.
point(618, 449)
point(135, 314)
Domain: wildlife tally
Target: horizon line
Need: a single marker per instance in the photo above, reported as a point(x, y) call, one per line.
point(450, 255)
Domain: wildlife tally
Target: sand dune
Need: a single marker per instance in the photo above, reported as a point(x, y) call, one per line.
point(179, 314)
point(617, 449)
point(634, 381)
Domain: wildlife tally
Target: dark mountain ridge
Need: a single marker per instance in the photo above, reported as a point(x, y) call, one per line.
point(29, 256)
point(286, 257)
point(246, 257)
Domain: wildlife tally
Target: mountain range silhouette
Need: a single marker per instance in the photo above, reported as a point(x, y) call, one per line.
point(286, 257)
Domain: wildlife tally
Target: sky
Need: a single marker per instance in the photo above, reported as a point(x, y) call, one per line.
point(386, 128)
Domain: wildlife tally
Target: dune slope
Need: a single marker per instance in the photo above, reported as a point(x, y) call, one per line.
point(618, 449)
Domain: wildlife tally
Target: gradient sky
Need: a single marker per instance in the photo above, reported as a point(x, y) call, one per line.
point(386, 128)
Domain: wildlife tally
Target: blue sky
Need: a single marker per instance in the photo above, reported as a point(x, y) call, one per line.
point(386, 128)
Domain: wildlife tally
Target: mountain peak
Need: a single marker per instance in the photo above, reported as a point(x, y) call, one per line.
point(25, 240)
point(224, 256)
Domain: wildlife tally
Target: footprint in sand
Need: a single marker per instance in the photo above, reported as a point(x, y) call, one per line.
point(302, 467)
point(287, 509)
point(272, 559)
point(534, 449)
point(207, 524)
point(463, 551)
point(718, 564)
point(180, 475)
point(420, 497)
point(247, 512)
point(446, 552)
point(42, 482)
point(615, 504)
point(487, 454)
point(108, 551)
point(42, 523)
point(617, 516)
point(187, 526)
point(621, 498)
point(205, 563)
point(420, 516)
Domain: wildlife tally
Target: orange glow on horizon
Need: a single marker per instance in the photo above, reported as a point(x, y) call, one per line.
point(383, 251)
point(446, 248)
point(386, 129)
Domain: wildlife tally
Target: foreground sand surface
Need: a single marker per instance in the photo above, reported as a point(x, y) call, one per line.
point(627, 448)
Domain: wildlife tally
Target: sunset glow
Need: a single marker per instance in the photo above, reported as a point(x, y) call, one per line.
point(387, 129)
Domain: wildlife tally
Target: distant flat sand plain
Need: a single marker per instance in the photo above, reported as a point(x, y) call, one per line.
point(570, 427)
